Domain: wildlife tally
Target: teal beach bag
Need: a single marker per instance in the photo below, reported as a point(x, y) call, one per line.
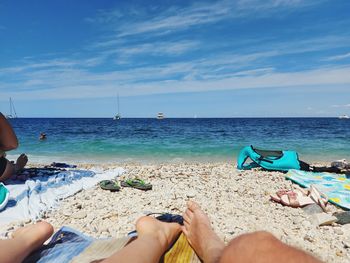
point(270, 160)
point(4, 196)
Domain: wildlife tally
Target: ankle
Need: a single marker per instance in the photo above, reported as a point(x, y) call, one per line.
point(158, 238)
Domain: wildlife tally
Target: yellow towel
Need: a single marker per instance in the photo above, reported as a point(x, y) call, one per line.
point(181, 252)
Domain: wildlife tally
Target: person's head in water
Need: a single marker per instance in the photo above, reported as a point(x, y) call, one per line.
point(42, 136)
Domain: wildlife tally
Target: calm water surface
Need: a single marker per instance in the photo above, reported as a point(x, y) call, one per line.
point(86, 140)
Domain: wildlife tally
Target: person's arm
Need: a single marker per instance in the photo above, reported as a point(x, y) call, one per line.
point(8, 138)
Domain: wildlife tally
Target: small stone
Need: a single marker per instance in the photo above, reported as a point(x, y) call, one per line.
point(323, 219)
point(346, 243)
point(309, 238)
point(338, 231)
point(339, 253)
point(312, 209)
point(79, 215)
point(190, 194)
point(306, 224)
point(343, 217)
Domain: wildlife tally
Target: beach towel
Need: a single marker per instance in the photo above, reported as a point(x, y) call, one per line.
point(181, 252)
point(335, 186)
point(31, 198)
point(70, 245)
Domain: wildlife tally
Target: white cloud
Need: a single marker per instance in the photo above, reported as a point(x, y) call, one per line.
point(83, 84)
point(341, 106)
point(197, 14)
point(338, 57)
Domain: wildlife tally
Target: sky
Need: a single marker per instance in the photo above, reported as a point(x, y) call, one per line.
point(238, 58)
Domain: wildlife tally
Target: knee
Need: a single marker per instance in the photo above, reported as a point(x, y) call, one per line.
point(255, 238)
point(8, 146)
point(46, 229)
point(246, 247)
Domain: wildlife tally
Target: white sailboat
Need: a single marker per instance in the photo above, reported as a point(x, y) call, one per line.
point(118, 116)
point(344, 117)
point(13, 114)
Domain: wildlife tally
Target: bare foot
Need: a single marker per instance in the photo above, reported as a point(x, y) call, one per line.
point(201, 236)
point(21, 162)
point(166, 233)
point(33, 236)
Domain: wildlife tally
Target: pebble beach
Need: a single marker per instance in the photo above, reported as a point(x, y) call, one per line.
point(237, 202)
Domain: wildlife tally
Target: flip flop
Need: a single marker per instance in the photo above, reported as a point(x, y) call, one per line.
point(277, 197)
point(320, 198)
point(137, 184)
point(109, 185)
point(293, 199)
point(169, 218)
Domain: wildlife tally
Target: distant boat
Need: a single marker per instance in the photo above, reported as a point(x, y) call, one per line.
point(344, 117)
point(13, 114)
point(118, 116)
point(160, 116)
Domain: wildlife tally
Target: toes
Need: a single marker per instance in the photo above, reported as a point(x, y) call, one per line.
point(192, 205)
point(187, 216)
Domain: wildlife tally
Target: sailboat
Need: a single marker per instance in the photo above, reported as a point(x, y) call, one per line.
point(344, 117)
point(118, 116)
point(13, 114)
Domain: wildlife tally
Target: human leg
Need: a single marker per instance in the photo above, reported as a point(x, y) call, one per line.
point(12, 169)
point(24, 241)
point(8, 138)
point(263, 247)
point(201, 236)
point(154, 238)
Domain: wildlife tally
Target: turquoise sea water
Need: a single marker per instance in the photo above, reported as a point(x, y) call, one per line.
point(105, 140)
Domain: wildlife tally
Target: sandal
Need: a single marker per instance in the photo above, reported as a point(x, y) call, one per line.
point(295, 199)
point(169, 218)
point(319, 198)
point(277, 197)
point(137, 184)
point(109, 185)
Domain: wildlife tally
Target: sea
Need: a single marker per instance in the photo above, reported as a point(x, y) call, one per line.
point(96, 140)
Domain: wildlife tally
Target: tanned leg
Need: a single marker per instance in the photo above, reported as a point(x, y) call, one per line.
point(154, 238)
point(201, 236)
point(261, 247)
point(24, 241)
point(8, 139)
point(12, 169)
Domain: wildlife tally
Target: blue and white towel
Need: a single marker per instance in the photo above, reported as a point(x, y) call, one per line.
point(335, 186)
point(30, 199)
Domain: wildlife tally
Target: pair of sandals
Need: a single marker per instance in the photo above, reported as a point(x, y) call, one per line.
point(301, 197)
point(136, 183)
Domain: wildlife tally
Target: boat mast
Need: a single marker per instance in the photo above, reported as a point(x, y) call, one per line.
point(10, 107)
point(118, 103)
point(13, 112)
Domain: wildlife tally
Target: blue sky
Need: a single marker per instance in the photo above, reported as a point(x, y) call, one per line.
point(206, 58)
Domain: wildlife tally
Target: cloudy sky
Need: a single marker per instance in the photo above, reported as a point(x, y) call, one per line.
point(238, 58)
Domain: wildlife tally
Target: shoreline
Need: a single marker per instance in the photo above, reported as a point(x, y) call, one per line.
point(237, 202)
point(103, 159)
